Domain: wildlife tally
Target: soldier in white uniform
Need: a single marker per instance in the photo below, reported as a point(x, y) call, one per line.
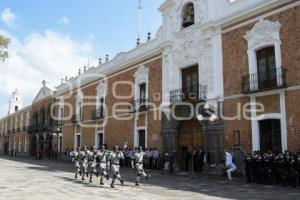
point(92, 163)
point(138, 161)
point(102, 164)
point(76, 160)
point(114, 158)
point(84, 162)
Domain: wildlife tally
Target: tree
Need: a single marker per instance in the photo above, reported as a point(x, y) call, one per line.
point(3, 47)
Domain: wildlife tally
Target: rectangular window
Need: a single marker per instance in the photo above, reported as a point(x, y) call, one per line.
point(99, 140)
point(78, 141)
point(142, 138)
point(143, 94)
point(190, 83)
point(266, 68)
point(79, 116)
point(100, 110)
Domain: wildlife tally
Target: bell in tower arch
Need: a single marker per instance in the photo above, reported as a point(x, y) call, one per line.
point(188, 15)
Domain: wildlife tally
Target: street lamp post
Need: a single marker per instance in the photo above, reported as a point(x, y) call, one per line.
point(57, 131)
point(206, 115)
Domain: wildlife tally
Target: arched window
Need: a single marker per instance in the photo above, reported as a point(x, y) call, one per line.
point(188, 17)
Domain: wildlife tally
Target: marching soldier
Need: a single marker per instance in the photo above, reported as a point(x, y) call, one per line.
point(102, 158)
point(115, 158)
point(75, 158)
point(138, 161)
point(92, 162)
point(84, 162)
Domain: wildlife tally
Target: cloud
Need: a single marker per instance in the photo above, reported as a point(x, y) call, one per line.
point(63, 20)
point(47, 55)
point(90, 36)
point(8, 17)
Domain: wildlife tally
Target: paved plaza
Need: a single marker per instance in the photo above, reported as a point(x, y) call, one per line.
point(25, 178)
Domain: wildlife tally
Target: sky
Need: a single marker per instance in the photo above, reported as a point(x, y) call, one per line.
point(51, 39)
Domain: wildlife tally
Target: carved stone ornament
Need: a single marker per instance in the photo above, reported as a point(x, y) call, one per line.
point(101, 88)
point(141, 75)
point(263, 32)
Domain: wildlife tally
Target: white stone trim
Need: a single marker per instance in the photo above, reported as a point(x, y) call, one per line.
point(101, 93)
point(256, 118)
point(283, 122)
point(136, 144)
point(268, 14)
point(79, 101)
point(264, 33)
point(96, 137)
point(254, 126)
point(141, 77)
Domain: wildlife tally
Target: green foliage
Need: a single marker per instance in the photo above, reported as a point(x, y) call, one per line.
point(3, 47)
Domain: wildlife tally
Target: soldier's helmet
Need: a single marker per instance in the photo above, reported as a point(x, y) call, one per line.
point(140, 149)
point(103, 147)
point(94, 148)
point(116, 148)
point(85, 148)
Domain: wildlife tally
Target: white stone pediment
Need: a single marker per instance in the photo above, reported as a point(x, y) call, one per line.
point(263, 32)
point(43, 93)
point(141, 75)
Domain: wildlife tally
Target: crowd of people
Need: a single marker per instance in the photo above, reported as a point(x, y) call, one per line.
point(192, 161)
point(152, 158)
point(273, 168)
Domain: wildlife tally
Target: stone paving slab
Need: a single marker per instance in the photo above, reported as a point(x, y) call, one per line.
point(29, 179)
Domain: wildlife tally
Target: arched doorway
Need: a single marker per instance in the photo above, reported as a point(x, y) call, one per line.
point(190, 138)
point(270, 135)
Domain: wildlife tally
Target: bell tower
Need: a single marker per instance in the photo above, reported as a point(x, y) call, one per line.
point(14, 102)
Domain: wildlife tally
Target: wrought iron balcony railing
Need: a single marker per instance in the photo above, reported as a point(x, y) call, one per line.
point(24, 128)
point(192, 93)
point(262, 81)
point(98, 114)
point(13, 130)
